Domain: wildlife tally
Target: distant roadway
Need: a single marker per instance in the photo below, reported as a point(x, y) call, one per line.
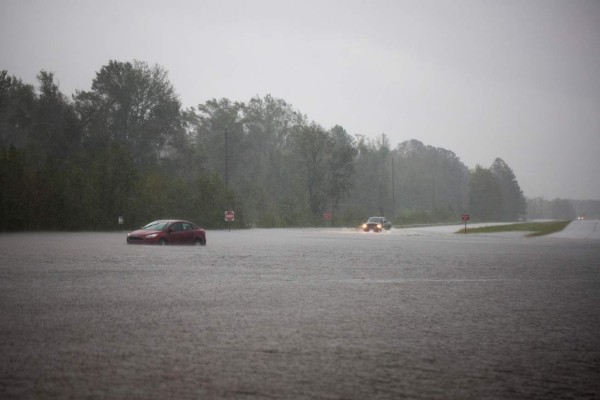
point(580, 229)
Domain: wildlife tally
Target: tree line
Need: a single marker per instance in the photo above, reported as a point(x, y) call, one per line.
point(128, 148)
point(565, 209)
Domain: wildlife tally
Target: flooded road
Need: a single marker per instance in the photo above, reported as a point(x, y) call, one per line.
point(299, 313)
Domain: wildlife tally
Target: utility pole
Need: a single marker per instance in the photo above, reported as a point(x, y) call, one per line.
point(229, 210)
point(433, 192)
point(393, 191)
point(226, 160)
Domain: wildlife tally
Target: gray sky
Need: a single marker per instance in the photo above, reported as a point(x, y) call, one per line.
point(515, 79)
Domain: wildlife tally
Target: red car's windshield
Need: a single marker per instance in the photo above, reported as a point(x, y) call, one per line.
point(156, 226)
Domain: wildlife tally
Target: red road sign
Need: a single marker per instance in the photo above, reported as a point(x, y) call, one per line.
point(327, 215)
point(466, 217)
point(229, 216)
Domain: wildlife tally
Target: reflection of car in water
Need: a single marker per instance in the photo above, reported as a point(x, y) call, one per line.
point(376, 224)
point(168, 232)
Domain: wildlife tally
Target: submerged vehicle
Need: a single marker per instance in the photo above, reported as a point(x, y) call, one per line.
point(168, 231)
point(376, 224)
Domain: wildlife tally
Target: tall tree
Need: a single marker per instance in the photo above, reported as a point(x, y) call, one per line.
point(267, 176)
point(430, 178)
point(485, 195)
point(219, 137)
point(514, 204)
point(373, 194)
point(56, 131)
point(134, 105)
point(340, 166)
point(132, 125)
point(17, 110)
point(312, 144)
point(15, 190)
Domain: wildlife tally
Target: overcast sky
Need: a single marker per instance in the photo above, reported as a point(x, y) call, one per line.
point(515, 79)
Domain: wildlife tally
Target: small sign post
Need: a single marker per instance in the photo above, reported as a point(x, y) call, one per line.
point(229, 216)
point(465, 218)
point(326, 217)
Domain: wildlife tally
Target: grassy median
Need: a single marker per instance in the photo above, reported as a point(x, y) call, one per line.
point(534, 228)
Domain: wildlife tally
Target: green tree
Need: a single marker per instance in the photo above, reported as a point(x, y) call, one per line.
point(14, 189)
point(372, 180)
point(134, 105)
point(429, 179)
point(17, 110)
point(340, 168)
point(311, 145)
point(514, 204)
point(114, 174)
point(247, 146)
point(268, 180)
point(218, 133)
point(56, 132)
point(485, 195)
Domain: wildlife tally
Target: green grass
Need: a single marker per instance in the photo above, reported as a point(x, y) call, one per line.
point(535, 228)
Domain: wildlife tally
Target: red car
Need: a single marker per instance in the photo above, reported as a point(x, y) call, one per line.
point(168, 231)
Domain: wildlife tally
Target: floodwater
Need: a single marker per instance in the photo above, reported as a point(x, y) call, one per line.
point(300, 314)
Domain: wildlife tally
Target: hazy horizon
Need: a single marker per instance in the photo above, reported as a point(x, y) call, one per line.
point(515, 80)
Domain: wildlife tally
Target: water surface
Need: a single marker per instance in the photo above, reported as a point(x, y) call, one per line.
point(299, 313)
